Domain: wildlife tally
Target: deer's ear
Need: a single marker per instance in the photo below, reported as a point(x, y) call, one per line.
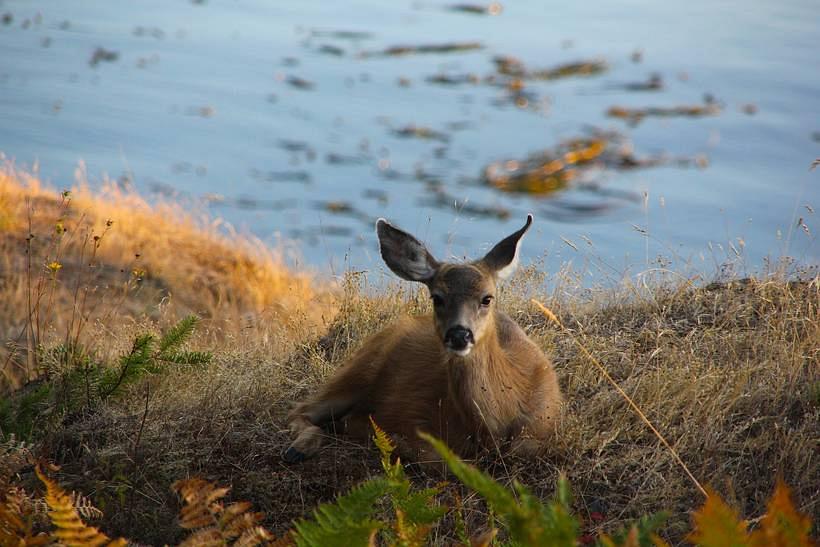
point(405, 255)
point(503, 258)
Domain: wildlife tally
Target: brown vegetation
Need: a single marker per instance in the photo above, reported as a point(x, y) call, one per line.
point(97, 262)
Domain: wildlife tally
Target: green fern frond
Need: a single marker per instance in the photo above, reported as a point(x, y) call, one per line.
point(416, 512)
point(347, 522)
point(642, 533)
point(527, 519)
point(421, 508)
point(178, 334)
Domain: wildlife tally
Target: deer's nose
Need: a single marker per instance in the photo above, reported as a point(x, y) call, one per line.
point(458, 338)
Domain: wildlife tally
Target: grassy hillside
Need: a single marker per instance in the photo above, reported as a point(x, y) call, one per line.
point(729, 372)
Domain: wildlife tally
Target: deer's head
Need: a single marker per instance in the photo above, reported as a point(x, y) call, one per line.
point(463, 294)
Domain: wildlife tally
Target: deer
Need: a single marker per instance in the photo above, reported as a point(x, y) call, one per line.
point(468, 374)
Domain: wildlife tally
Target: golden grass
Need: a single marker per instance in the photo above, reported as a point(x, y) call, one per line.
point(116, 259)
point(729, 374)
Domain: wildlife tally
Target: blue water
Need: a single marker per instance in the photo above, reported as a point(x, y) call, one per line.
point(199, 105)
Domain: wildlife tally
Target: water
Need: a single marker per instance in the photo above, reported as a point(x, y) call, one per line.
point(286, 128)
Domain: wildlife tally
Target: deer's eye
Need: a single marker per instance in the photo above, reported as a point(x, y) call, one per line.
point(486, 300)
point(437, 300)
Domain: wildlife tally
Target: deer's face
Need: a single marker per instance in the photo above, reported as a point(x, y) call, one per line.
point(463, 297)
point(463, 294)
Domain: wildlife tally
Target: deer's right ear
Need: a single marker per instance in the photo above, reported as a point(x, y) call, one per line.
point(405, 255)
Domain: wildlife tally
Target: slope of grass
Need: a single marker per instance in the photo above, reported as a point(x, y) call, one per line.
point(729, 373)
point(117, 260)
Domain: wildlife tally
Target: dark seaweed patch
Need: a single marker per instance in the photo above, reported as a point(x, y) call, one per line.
point(634, 116)
point(494, 8)
point(450, 47)
point(103, 55)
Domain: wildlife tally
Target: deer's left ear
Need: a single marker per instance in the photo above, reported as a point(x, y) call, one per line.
point(503, 258)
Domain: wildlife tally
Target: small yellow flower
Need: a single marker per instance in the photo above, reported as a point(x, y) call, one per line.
point(54, 266)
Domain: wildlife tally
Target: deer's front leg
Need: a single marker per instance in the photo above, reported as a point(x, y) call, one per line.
point(349, 387)
point(306, 422)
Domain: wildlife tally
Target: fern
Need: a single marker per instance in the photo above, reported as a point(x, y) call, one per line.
point(70, 528)
point(782, 525)
point(17, 519)
point(640, 534)
point(416, 511)
point(84, 506)
point(348, 522)
point(14, 456)
point(717, 524)
point(211, 522)
point(527, 519)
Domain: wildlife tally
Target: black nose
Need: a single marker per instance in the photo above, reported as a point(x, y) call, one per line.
point(457, 338)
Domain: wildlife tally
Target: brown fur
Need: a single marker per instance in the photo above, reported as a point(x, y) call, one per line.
point(408, 381)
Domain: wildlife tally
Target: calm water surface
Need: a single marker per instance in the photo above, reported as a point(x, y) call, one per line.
point(287, 119)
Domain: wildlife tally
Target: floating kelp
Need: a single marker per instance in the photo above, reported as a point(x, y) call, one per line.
point(453, 79)
point(314, 234)
point(494, 8)
point(331, 50)
point(206, 111)
point(461, 125)
point(510, 66)
point(749, 108)
point(516, 94)
point(421, 132)
point(280, 176)
point(344, 208)
point(634, 116)
point(154, 32)
point(103, 55)
point(653, 83)
point(572, 161)
point(438, 197)
point(293, 146)
point(376, 193)
point(249, 203)
point(299, 83)
point(342, 34)
point(334, 158)
point(450, 47)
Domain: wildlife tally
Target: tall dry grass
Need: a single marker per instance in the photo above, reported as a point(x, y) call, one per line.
point(82, 263)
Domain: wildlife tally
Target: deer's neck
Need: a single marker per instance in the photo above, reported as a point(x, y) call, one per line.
point(478, 383)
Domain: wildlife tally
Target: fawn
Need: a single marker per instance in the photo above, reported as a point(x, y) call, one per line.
point(468, 375)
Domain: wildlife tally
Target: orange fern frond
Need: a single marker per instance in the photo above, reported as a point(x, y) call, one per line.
point(70, 529)
point(718, 525)
point(212, 522)
point(782, 525)
point(16, 520)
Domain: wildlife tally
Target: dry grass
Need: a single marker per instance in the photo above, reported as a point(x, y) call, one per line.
point(122, 261)
point(729, 373)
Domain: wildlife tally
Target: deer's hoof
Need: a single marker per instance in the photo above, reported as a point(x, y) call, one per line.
point(293, 455)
